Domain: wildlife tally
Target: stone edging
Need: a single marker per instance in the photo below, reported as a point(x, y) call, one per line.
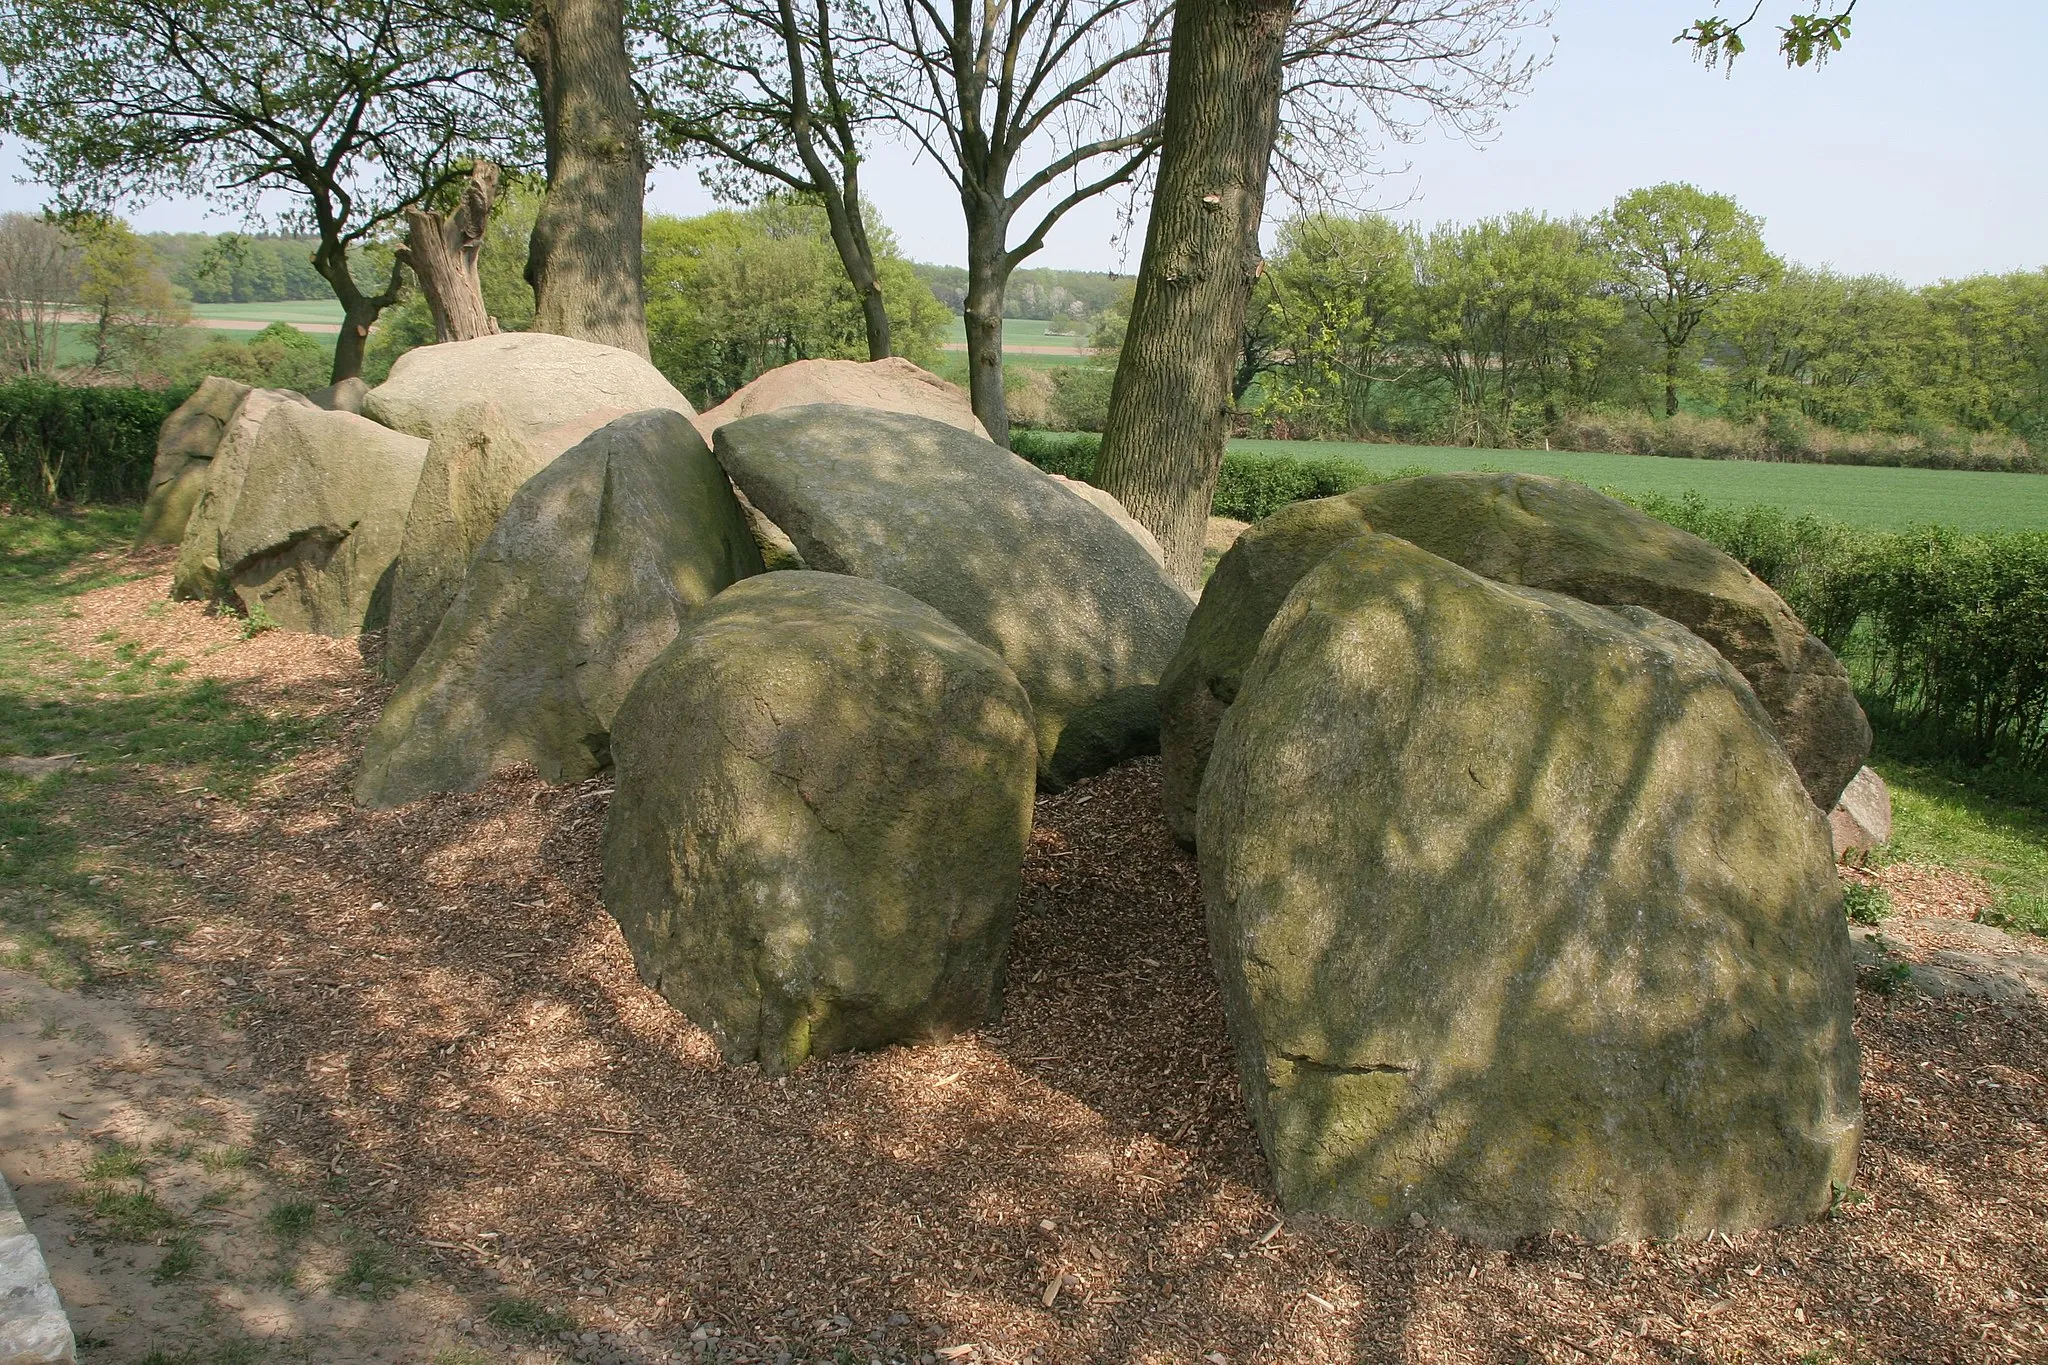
point(33, 1327)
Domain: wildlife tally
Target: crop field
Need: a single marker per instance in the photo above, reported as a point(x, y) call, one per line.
point(1022, 332)
point(291, 310)
point(1864, 496)
point(75, 345)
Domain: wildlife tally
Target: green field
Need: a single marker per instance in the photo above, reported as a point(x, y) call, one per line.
point(1020, 332)
point(75, 344)
point(1851, 493)
point(292, 310)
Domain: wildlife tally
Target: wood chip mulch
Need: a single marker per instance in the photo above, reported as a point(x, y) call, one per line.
point(456, 1050)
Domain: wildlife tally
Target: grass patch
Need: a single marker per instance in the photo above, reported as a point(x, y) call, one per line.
point(1857, 494)
point(1866, 904)
point(291, 1220)
point(132, 1215)
point(68, 911)
point(115, 1161)
point(371, 1273)
point(1989, 822)
point(514, 1313)
point(179, 1262)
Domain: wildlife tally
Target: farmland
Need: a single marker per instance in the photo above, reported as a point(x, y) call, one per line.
point(1864, 496)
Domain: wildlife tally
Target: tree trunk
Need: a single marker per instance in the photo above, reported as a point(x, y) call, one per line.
point(584, 262)
point(857, 257)
point(358, 310)
point(442, 250)
point(983, 315)
point(358, 317)
point(1671, 381)
point(1163, 442)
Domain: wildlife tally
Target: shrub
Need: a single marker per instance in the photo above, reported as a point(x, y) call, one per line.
point(1249, 487)
point(1788, 436)
point(60, 443)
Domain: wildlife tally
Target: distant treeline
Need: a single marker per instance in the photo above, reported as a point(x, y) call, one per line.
point(233, 268)
point(1663, 326)
point(1070, 296)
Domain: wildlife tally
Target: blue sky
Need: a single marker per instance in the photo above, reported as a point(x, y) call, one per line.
point(1916, 153)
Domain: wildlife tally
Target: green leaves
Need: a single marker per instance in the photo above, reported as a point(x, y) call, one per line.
point(1805, 39)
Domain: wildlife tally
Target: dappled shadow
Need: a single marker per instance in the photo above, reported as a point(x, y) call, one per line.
point(1074, 605)
point(459, 1057)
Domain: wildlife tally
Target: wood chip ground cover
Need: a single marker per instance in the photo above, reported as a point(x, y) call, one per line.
point(438, 1039)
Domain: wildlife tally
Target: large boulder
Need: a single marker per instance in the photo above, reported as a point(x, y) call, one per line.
point(593, 567)
point(1114, 510)
point(817, 828)
point(198, 573)
point(1077, 609)
point(185, 446)
point(1522, 918)
point(538, 380)
point(319, 520)
point(1539, 533)
point(477, 460)
point(892, 385)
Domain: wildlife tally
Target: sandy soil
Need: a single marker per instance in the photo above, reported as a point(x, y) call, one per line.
point(424, 1021)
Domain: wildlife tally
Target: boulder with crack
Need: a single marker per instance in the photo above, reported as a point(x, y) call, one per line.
point(1523, 920)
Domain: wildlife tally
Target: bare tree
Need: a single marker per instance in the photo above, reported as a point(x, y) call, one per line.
point(354, 109)
point(1030, 107)
point(1255, 83)
point(759, 87)
point(38, 275)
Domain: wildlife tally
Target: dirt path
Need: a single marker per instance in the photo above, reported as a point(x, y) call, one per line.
point(422, 1023)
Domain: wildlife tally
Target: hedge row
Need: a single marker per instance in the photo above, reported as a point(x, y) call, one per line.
point(1942, 630)
point(1945, 632)
point(61, 443)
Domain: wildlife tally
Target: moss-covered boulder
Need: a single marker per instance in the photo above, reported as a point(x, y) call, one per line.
point(594, 566)
point(185, 446)
point(817, 830)
point(1523, 919)
point(1539, 533)
point(477, 460)
point(318, 523)
point(198, 572)
point(536, 379)
point(1080, 613)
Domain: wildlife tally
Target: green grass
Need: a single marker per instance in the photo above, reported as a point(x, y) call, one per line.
point(131, 1215)
point(371, 1273)
point(1019, 332)
point(70, 908)
point(291, 1220)
point(1860, 495)
point(511, 1313)
point(290, 310)
point(1988, 822)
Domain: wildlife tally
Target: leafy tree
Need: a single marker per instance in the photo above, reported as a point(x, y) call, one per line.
point(122, 285)
point(1513, 318)
point(278, 357)
point(737, 292)
point(1335, 297)
point(352, 109)
point(775, 91)
point(1680, 253)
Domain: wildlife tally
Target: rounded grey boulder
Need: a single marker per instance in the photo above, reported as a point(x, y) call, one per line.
point(595, 565)
point(1074, 605)
point(816, 837)
point(198, 573)
point(1522, 918)
point(538, 380)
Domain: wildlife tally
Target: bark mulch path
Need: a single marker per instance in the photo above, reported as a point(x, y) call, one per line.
point(453, 1049)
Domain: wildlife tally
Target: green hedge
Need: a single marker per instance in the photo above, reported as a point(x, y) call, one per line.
point(1944, 632)
point(60, 443)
